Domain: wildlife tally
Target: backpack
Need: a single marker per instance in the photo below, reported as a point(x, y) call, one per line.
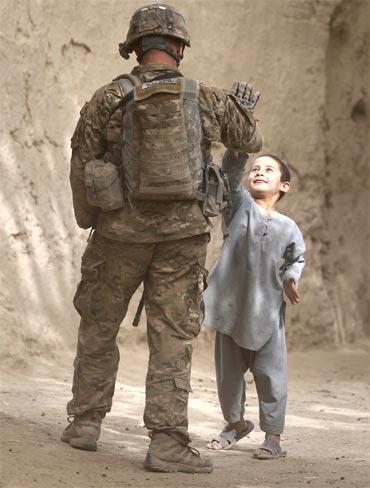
point(161, 156)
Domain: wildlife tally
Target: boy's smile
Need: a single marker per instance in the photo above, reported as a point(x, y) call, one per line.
point(257, 181)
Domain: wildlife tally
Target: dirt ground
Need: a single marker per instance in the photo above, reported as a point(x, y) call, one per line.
point(327, 432)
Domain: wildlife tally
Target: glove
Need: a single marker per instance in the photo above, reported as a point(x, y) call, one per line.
point(244, 93)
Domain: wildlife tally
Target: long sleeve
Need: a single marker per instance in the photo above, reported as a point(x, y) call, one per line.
point(89, 142)
point(293, 257)
point(235, 169)
point(225, 120)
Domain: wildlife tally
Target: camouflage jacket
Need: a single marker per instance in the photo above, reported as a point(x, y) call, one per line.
point(98, 135)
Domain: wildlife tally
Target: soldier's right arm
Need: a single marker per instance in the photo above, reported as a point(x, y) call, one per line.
point(225, 120)
point(89, 142)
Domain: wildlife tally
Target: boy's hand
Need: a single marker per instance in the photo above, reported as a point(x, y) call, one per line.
point(291, 290)
point(244, 93)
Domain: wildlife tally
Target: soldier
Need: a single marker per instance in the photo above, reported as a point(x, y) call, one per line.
point(157, 135)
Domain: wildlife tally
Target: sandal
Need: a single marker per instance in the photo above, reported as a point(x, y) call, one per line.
point(269, 450)
point(228, 437)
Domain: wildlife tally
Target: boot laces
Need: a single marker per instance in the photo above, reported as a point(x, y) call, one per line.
point(69, 419)
point(193, 451)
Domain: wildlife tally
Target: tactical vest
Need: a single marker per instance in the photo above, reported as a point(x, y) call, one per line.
point(161, 155)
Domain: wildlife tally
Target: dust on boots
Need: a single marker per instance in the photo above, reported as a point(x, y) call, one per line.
point(83, 431)
point(167, 455)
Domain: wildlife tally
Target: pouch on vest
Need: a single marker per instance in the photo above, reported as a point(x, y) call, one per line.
point(161, 155)
point(216, 190)
point(103, 185)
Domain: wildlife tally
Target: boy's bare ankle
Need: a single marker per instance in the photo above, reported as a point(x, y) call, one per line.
point(274, 437)
point(239, 426)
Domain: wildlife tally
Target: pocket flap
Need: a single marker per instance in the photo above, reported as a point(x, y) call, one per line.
point(182, 384)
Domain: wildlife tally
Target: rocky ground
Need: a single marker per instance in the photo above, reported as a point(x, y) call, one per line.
point(327, 433)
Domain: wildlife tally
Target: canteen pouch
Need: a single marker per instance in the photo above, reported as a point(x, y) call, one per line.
point(103, 185)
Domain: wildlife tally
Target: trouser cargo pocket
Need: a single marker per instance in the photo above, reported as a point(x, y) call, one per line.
point(86, 298)
point(180, 405)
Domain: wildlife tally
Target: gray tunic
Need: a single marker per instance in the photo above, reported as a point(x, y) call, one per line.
point(244, 297)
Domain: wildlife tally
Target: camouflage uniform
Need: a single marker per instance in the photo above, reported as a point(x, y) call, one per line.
point(162, 244)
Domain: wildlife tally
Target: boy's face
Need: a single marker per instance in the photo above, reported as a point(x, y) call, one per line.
point(264, 179)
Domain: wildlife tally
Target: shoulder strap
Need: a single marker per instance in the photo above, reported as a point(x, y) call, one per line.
point(127, 83)
point(191, 88)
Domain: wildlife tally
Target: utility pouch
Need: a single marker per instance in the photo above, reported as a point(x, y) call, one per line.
point(216, 190)
point(103, 185)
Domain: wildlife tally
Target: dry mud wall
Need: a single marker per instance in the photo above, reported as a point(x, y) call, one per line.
point(309, 58)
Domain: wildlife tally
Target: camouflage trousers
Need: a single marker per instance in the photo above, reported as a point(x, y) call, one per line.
point(173, 275)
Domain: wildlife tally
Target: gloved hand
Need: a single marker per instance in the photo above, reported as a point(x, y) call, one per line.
point(243, 91)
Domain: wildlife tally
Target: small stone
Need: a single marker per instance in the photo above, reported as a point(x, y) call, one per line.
point(342, 477)
point(10, 450)
point(104, 475)
point(42, 414)
point(127, 428)
point(106, 467)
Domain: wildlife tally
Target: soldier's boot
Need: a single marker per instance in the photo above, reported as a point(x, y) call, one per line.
point(167, 455)
point(84, 431)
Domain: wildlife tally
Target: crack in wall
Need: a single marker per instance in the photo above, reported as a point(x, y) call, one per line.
point(75, 44)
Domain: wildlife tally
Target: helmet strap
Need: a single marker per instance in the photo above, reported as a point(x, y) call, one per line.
point(157, 42)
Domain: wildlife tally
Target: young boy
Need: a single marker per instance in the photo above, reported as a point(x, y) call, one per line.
point(261, 257)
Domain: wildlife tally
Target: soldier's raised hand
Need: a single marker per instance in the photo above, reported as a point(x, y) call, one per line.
point(245, 94)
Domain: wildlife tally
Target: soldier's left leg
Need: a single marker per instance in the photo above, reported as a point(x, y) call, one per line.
point(174, 307)
point(111, 272)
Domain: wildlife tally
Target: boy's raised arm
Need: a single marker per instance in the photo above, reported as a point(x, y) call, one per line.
point(234, 165)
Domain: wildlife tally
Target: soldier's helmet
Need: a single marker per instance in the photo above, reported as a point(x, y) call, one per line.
point(157, 19)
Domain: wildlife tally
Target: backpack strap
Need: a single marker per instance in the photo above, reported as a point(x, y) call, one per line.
point(191, 89)
point(127, 83)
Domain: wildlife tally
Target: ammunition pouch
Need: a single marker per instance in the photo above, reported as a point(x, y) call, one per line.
point(216, 190)
point(103, 185)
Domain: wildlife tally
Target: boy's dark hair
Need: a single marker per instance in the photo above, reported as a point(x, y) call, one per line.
point(284, 169)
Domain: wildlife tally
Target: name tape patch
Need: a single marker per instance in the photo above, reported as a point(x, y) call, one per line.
point(149, 84)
